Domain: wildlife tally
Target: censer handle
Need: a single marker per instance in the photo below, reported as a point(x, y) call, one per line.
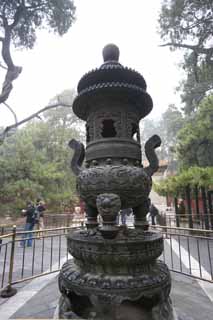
point(78, 157)
point(150, 145)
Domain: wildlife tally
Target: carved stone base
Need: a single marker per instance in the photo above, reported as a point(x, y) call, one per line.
point(97, 296)
point(128, 310)
point(130, 252)
point(153, 281)
point(115, 278)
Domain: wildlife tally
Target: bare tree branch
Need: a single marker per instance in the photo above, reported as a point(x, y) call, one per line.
point(12, 70)
point(5, 132)
point(2, 66)
point(17, 15)
point(12, 111)
point(6, 49)
point(188, 46)
point(193, 25)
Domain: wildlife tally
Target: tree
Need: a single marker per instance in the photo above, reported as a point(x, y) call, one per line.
point(63, 99)
point(170, 124)
point(193, 177)
point(149, 128)
point(196, 86)
point(64, 115)
point(195, 139)
point(188, 25)
point(167, 128)
point(36, 163)
point(19, 20)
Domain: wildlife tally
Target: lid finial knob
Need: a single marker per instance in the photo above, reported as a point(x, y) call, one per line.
point(111, 53)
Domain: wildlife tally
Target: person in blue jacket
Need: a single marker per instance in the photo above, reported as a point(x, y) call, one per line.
point(29, 213)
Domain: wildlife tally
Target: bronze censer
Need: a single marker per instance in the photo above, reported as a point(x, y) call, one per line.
point(114, 273)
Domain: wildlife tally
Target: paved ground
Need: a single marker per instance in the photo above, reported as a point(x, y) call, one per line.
point(42, 305)
point(188, 298)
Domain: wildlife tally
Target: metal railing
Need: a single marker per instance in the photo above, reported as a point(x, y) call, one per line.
point(196, 208)
point(187, 251)
point(51, 220)
point(170, 219)
point(19, 262)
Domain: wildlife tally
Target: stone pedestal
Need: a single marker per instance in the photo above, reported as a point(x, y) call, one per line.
point(115, 278)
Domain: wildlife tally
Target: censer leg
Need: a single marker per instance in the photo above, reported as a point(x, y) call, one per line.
point(140, 213)
point(91, 215)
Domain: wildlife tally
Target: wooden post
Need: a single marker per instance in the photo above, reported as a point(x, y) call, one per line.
point(189, 207)
point(205, 209)
point(176, 212)
point(197, 210)
point(210, 200)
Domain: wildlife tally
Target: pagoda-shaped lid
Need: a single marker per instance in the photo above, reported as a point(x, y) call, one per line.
point(114, 79)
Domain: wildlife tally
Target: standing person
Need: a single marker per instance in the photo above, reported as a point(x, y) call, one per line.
point(124, 213)
point(153, 213)
point(82, 206)
point(39, 215)
point(181, 208)
point(77, 212)
point(29, 213)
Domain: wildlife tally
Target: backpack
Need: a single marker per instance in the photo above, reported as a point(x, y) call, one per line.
point(36, 214)
point(153, 211)
point(128, 211)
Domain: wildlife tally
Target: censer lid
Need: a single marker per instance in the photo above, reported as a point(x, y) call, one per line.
point(115, 79)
